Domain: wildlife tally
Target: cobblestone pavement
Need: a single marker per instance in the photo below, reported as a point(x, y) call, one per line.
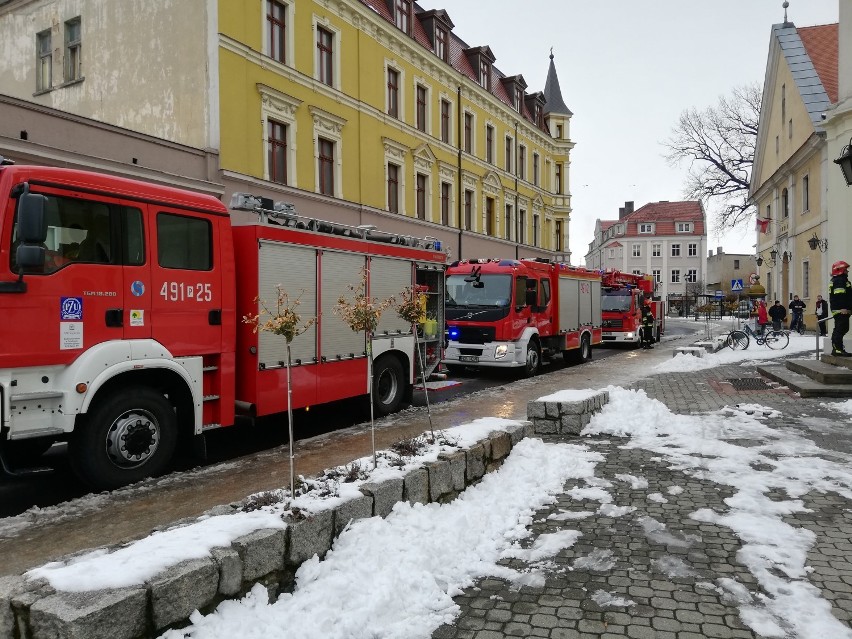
point(674, 569)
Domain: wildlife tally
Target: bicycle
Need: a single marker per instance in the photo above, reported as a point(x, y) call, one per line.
point(738, 340)
point(797, 324)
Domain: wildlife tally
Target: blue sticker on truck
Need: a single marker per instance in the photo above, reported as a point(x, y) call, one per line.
point(137, 288)
point(71, 308)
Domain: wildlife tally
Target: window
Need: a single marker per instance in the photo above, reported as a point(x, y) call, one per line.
point(325, 53)
point(393, 93)
point(421, 107)
point(508, 222)
point(637, 250)
point(276, 16)
point(73, 50)
point(441, 48)
point(326, 166)
point(692, 249)
point(768, 212)
point(692, 275)
point(684, 227)
point(277, 143)
point(658, 275)
point(519, 99)
point(558, 184)
point(421, 196)
point(468, 133)
point(785, 203)
point(806, 280)
point(558, 244)
point(675, 276)
point(646, 228)
point(445, 121)
point(611, 253)
point(806, 195)
point(522, 162)
point(777, 145)
point(468, 209)
point(736, 265)
point(184, 242)
point(509, 146)
point(522, 227)
point(783, 102)
point(790, 129)
point(535, 230)
point(44, 62)
point(636, 271)
point(535, 168)
point(656, 250)
point(558, 131)
point(675, 250)
point(445, 203)
point(393, 188)
point(403, 15)
point(484, 74)
point(489, 216)
point(489, 144)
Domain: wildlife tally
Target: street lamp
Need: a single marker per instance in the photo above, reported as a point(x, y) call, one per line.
point(759, 260)
point(845, 162)
point(773, 256)
point(816, 243)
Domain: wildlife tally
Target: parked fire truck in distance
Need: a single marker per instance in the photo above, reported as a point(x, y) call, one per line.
point(512, 313)
point(123, 306)
point(621, 307)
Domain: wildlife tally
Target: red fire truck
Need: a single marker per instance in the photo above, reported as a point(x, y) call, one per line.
point(512, 313)
point(122, 306)
point(621, 307)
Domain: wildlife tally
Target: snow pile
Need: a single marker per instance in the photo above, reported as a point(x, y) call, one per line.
point(569, 395)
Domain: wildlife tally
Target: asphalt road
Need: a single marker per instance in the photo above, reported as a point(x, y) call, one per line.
point(57, 484)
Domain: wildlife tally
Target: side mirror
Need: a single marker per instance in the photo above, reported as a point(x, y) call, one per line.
point(32, 226)
point(29, 256)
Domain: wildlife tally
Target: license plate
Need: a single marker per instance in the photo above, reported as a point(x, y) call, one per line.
point(607, 333)
point(468, 358)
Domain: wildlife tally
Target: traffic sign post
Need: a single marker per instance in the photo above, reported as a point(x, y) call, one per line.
point(736, 286)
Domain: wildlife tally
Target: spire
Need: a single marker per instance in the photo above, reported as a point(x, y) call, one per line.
point(784, 5)
point(552, 93)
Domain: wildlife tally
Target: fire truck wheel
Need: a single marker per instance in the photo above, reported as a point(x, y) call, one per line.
point(581, 354)
point(533, 359)
point(388, 386)
point(125, 439)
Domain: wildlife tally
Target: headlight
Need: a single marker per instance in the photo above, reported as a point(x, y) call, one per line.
point(501, 351)
point(628, 335)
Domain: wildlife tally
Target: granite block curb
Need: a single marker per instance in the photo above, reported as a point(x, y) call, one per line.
point(271, 557)
point(568, 417)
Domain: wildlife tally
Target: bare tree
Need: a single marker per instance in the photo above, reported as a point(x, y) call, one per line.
point(719, 143)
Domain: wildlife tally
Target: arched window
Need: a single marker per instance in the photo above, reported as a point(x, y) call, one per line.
point(785, 203)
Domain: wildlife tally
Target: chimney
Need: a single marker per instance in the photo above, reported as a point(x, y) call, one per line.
point(719, 250)
point(621, 213)
point(710, 253)
point(628, 208)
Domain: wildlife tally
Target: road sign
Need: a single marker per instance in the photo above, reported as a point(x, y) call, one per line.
point(720, 294)
point(736, 286)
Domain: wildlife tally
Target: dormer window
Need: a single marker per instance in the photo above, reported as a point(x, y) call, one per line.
point(519, 99)
point(402, 15)
point(484, 74)
point(442, 49)
point(481, 59)
point(538, 115)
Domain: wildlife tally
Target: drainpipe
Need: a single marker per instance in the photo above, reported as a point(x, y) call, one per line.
point(459, 161)
point(517, 210)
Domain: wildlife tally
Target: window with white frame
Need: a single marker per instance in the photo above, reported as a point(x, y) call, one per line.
point(611, 253)
point(522, 162)
point(277, 134)
point(692, 275)
point(278, 111)
point(328, 150)
point(535, 230)
point(646, 228)
point(422, 191)
point(684, 227)
point(446, 120)
point(44, 61)
point(468, 132)
point(393, 92)
point(675, 250)
point(277, 36)
point(421, 95)
point(658, 275)
point(675, 276)
point(402, 17)
point(441, 47)
point(656, 250)
point(489, 144)
point(326, 56)
point(692, 249)
point(325, 166)
point(637, 250)
point(73, 50)
point(535, 168)
point(393, 172)
point(806, 280)
point(636, 271)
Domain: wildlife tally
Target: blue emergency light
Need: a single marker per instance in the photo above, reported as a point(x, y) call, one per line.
point(454, 333)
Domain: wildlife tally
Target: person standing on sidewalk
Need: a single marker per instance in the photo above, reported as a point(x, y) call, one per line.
point(797, 312)
point(647, 325)
point(840, 299)
point(777, 313)
point(821, 313)
point(762, 317)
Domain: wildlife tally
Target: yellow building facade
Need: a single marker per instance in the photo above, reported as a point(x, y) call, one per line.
point(373, 112)
point(791, 163)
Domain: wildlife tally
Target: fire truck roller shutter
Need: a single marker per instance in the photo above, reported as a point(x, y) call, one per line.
point(387, 279)
point(596, 303)
point(339, 271)
point(569, 308)
point(295, 269)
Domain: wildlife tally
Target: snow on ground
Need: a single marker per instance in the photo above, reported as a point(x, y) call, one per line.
point(840, 407)
point(774, 550)
point(681, 363)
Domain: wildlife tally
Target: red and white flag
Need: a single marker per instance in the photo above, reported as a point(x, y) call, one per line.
point(762, 225)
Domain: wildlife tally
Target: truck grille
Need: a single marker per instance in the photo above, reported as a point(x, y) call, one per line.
point(612, 323)
point(475, 334)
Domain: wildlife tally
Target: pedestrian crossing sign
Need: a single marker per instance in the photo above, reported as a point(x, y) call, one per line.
point(736, 285)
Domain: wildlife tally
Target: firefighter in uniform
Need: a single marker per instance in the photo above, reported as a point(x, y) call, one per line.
point(647, 325)
point(840, 299)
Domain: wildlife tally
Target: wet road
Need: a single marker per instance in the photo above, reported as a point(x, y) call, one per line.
point(245, 459)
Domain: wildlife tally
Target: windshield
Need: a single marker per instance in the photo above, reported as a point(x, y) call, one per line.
point(496, 290)
point(616, 301)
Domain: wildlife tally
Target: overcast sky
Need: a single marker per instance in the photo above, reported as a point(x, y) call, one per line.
point(627, 70)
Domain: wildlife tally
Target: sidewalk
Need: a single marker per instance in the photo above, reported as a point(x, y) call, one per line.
point(647, 566)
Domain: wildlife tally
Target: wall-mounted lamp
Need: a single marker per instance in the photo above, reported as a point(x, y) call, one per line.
point(759, 260)
point(845, 162)
point(816, 243)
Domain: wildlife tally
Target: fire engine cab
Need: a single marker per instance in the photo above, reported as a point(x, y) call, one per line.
point(122, 306)
point(623, 295)
point(512, 313)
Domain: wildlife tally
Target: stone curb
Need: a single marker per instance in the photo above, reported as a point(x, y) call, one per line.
point(32, 609)
point(568, 417)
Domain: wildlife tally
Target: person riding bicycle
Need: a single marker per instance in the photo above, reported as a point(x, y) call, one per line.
point(797, 311)
point(840, 299)
point(777, 314)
